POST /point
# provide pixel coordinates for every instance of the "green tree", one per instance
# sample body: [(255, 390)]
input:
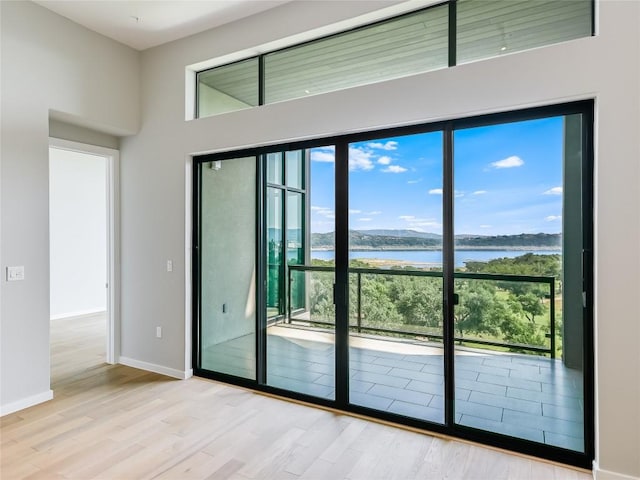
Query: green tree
[(475, 311), (531, 305), (418, 300)]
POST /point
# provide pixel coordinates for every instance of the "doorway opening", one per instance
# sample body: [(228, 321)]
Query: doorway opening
[(83, 254)]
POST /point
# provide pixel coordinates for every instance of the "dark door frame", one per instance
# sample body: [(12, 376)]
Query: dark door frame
[(585, 108)]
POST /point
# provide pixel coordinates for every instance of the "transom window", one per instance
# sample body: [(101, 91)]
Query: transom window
[(440, 36)]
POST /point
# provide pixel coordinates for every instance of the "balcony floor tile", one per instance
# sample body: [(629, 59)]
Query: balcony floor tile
[(529, 397)]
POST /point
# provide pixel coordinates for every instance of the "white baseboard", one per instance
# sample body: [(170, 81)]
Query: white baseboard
[(599, 474), (26, 403), (78, 313), (152, 367)]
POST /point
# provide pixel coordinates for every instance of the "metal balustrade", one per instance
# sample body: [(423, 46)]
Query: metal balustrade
[(359, 327)]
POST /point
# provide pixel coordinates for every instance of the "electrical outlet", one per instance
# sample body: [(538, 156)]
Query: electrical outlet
[(169, 266), (158, 332)]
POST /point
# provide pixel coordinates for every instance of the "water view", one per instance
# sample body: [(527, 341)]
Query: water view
[(429, 258)]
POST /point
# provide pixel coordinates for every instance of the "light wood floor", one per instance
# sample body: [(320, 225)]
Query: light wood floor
[(116, 422)]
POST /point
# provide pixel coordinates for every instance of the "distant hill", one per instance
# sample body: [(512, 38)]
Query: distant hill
[(412, 240), (367, 239), (402, 233), (550, 240)]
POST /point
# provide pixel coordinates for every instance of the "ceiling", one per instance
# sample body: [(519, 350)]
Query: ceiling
[(148, 23)]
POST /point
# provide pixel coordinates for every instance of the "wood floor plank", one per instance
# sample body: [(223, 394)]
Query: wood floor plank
[(119, 423)]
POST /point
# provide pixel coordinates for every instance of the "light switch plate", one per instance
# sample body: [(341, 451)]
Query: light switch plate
[(15, 273)]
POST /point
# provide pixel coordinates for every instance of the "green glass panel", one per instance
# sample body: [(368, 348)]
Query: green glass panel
[(396, 48), (228, 88), (274, 168), (489, 28), (274, 251), (295, 168)]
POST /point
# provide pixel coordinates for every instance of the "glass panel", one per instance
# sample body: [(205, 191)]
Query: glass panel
[(295, 168), (295, 243), (512, 373), (489, 28), (228, 88), (274, 252), (295, 234), (399, 47), (274, 168), (228, 267), (395, 299), (300, 347)]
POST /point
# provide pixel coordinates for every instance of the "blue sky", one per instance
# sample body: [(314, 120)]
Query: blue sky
[(508, 180)]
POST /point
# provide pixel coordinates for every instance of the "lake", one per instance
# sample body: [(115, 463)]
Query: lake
[(421, 257)]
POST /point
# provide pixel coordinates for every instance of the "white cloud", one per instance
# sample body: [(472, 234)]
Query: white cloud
[(411, 182), (435, 191), (375, 212), (354, 211), (394, 169), (323, 154), (416, 223), (390, 145), (458, 194), (323, 211), (479, 192), (359, 159), (553, 218), (509, 162), (554, 191), (485, 226), (384, 160), (365, 219), (431, 224)]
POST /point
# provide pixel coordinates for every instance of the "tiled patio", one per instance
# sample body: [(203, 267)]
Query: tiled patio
[(524, 396)]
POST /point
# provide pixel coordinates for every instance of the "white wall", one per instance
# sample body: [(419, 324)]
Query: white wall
[(75, 133), (605, 67), (48, 64), (77, 233)]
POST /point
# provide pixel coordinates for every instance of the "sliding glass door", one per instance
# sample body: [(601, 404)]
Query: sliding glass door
[(300, 330), (436, 275), (395, 276), (518, 248), (226, 271)]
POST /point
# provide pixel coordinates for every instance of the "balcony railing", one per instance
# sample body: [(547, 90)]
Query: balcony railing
[(296, 307)]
